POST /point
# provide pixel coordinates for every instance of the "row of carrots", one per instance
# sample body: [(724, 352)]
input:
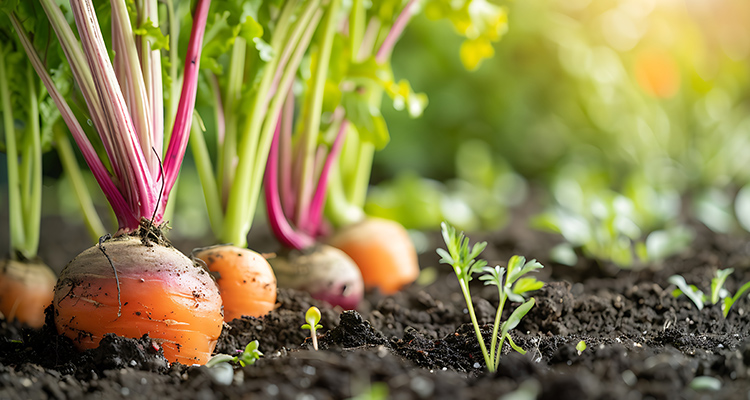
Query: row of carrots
[(136, 282)]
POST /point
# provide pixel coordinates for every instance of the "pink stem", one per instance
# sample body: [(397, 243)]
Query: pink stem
[(398, 27), (124, 215), (280, 226), (181, 129), (135, 183), (315, 212)]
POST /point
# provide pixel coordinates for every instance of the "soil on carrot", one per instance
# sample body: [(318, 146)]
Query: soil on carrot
[(418, 344)]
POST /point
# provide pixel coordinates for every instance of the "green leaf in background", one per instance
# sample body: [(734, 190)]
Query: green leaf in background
[(153, 34), (717, 284), (692, 292), (480, 21)]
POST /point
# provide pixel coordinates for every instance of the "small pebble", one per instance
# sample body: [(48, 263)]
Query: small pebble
[(629, 377), (308, 369), (272, 390)]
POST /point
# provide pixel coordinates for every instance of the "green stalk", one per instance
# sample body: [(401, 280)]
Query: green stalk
[(206, 175), (498, 316), (465, 289), (357, 189), (275, 108), (15, 215), (357, 20), (32, 196), (312, 125), (339, 210), (73, 172), (228, 149), (237, 218)]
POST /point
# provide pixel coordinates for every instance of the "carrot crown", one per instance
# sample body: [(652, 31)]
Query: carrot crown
[(125, 102)]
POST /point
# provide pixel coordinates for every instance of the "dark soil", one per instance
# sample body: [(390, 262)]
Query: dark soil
[(418, 344)]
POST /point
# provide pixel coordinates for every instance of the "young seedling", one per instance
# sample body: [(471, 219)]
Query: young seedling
[(717, 291), (581, 347), (464, 263), (249, 356), (312, 317)]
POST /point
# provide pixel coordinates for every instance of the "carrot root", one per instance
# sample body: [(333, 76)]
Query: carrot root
[(383, 251), (161, 292), (25, 291), (246, 280)]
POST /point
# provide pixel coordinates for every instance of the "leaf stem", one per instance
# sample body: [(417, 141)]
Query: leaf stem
[(227, 154), (496, 351), (467, 297), (398, 27), (73, 172), (15, 206), (314, 108), (32, 198), (239, 214), (207, 177), (181, 128)]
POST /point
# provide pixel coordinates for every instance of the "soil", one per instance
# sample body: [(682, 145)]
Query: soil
[(419, 343)]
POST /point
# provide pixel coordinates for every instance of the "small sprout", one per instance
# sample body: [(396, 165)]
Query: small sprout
[(249, 356), (511, 285), (312, 317), (580, 347), (718, 293)]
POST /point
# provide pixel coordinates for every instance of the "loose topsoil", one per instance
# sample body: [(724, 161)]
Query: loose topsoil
[(419, 344)]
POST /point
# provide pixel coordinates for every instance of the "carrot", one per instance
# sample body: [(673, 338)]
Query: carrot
[(135, 283), (246, 280), (25, 291), (383, 251), (157, 290)]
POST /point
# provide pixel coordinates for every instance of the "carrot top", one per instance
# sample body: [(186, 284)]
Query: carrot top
[(125, 101)]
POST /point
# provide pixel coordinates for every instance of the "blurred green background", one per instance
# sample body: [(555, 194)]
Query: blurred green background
[(630, 116)]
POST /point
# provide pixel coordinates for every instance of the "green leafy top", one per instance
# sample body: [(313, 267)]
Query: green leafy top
[(517, 268), (459, 256), (249, 356)]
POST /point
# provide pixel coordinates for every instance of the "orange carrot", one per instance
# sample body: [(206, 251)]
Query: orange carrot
[(383, 251), (25, 291), (157, 291), (246, 280)]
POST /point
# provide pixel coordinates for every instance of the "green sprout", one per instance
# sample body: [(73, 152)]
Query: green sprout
[(312, 316), (580, 347), (249, 356), (718, 293), (509, 281)]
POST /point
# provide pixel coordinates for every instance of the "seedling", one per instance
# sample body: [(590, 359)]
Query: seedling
[(580, 347), (312, 316), (717, 291), (249, 356), (464, 263)]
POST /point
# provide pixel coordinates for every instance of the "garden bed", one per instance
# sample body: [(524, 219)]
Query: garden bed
[(641, 341)]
